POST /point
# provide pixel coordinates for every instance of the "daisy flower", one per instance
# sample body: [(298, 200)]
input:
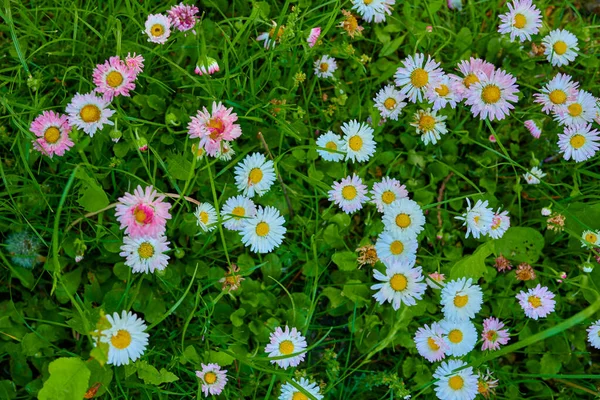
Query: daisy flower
[(486, 384), (289, 344), (461, 299), (594, 334), (416, 74), (183, 16), (52, 130), (158, 28), (461, 336), (500, 224), (522, 20), (471, 71), (254, 175), (212, 127), (443, 92), (89, 113), (213, 379), (435, 280), (206, 217), (144, 213), (560, 47), (430, 342), (271, 38), (145, 253), (389, 102), (373, 10), (400, 284), (590, 239), (359, 144), (236, 210), (387, 192), (578, 111), (534, 176), (264, 231), (226, 152), (429, 125), (532, 127), (325, 67), (396, 247), (113, 78), (478, 219), (350, 194), (537, 302), (331, 147), (126, 338), (289, 392), (208, 67), (455, 5), (455, 382), (313, 36), (555, 94), (490, 97), (579, 142), (493, 335), (135, 63), (350, 24), (404, 215)]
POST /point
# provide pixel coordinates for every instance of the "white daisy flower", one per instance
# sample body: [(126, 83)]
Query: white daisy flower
[(534, 176), (350, 194), (226, 152), (206, 217), (401, 284), (521, 21), (289, 392), (373, 10), (236, 210), (443, 92), (404, 215), (254, 175), (537, 302), (579, 142), (546, 211), (461, 336), (455, 382), (389, 102), (416, 74), (590, 239), (387, 192), (461, 299), (478, 219), (471, 70), (359, 144), (263, 232), (89, 113), (430, 342), (213, 379), (594, 334), (561, 47), (500, 224), (556, 93), (288, 344), (578, 111), (158, 28), (396, 247), (492, 96), (429, 125), (126, 338), (145, 253), (331, 147), (325, 67)]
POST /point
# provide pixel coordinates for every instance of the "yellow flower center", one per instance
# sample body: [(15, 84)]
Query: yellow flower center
[(355, 143), (388, 197), (146, 250), (262, 229), (591, 237), (157, 30), (575, 109), (204, 217), (114, 79), (560, 47), (470, 79), (349, 192), (419, 78), (331, 146), (367, 2), (455, 336), (90, 113), (402, 220), (238, 212), (52, 135), (558, 96), (461, 301), (398, 282), (432, 344), (140, 215), (286, 347), (255, 175), (534, 301), (324, 67), (476, 219), (577, 141), (456, 382), (520, 21), (442, 90), (426, 123), (490, 94), (389, 103), (210, 378), (397, 247), (121, 340), (216, 127), (298, 395)]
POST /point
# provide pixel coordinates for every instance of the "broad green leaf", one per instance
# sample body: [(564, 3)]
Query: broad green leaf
[(220, 358), (345, 260), (68, 380), (178, 166), (520, 244), (550, 364), (92, 197), (151, 376), (473, 266), (7, 390)]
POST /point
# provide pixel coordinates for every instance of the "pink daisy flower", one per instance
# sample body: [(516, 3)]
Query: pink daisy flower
[(213, 379), (532, 127), (500, 224), (113, 78), (350, 194), (435, 280), (135, 63), (471, 71), (144, 213), (556, 93), (430, 342), (214, 127), (314, 36), (490, 97), (493, 335), (208, 67), (52, 130), (183, 16), (537, 302)]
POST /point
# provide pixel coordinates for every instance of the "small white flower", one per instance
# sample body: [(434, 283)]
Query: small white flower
[(431, 343), (580, 110), (126, 338), (206, 217), (556, 93), (561, 47), (521, 21), (213, 379), (389, 102), (400, 284), (404, 215), (332, 147), (396, 247), (325, 67), (461, 299), (478, 219), (590, 239), (429, 125), (350, 194), (145, 253), (387, 192), (546, 211), (158, 28), (455, 382), (579, 142), (359, 144), (500, 224), (594, 334), (443, 92), (415, 74), (265, 231), (461, 337), (89, 113), (373, 10), (254, 175), (288, 343), (534, 176), (289, 392), (236, 210)]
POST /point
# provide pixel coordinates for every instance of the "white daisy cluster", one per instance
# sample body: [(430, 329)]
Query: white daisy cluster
[(482, 220), (357, 144)]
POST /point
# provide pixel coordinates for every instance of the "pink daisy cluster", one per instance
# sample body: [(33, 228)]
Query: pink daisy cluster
[(215, 129), (52, 131), (183, 16), (115, 77)]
